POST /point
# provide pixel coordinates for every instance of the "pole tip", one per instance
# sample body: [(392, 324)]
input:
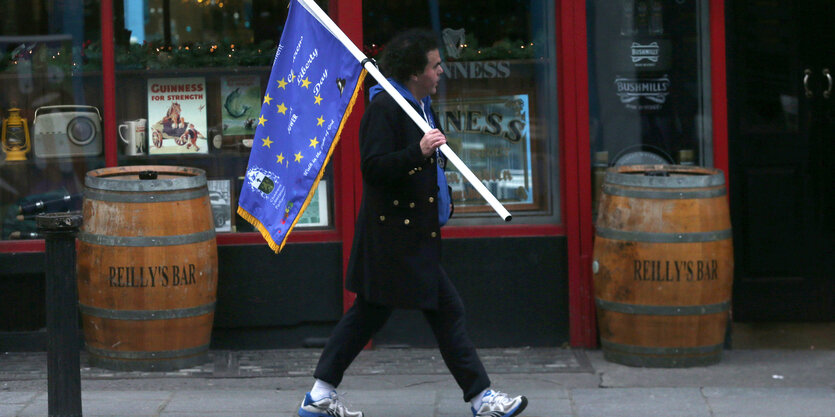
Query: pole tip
[(508, 218)]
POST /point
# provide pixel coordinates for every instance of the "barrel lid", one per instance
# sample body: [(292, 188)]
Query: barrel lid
[(144, 178), (665, 176)]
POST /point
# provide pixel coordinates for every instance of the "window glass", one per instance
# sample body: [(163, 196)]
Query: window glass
[(51, 106), (191, 76), (496, 101), (649, 83)]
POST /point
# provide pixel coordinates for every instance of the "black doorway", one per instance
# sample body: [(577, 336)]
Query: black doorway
[(781, 60)]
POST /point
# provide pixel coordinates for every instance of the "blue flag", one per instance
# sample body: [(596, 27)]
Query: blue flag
[(313, 85)]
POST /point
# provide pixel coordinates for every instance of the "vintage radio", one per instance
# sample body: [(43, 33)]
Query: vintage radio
[(66, 130)]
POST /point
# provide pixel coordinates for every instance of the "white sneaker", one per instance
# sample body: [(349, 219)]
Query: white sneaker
[(498, 404), (330, 406)]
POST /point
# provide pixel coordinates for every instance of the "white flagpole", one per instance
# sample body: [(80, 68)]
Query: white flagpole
[(324, 19)]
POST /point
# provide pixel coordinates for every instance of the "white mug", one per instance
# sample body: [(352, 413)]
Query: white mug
[(134, 136)]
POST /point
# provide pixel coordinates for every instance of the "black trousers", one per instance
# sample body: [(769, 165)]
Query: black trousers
[(364, 319)]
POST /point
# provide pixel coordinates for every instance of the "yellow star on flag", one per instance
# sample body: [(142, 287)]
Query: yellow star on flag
[(280, 158), (282, 109), (313, 142), (318, 100), (320, 120), (299, 157), (267, 142), (267, 98), (282, 84), (261, 120), (305, 83)]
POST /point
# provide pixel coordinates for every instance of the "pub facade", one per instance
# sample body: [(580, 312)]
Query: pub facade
[(538, 98)]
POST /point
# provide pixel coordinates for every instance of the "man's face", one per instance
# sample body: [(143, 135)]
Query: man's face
[(426, 83)]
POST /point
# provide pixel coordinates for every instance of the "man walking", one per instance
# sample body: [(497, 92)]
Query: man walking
[(396, 255)]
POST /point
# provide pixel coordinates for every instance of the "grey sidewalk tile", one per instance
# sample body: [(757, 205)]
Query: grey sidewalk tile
[(230, 414), (107, 404), (11, 402), (399, 402), (639, 402), (399, 410), (783, 402), (10, 410), (16, 397), (229, 401)]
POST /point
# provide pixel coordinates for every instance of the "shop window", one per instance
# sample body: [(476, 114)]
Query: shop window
[(496, 101), (649, 84), (51, 105), (191, 76)]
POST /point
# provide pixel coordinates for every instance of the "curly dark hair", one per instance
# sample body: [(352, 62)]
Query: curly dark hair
[(405, 54)]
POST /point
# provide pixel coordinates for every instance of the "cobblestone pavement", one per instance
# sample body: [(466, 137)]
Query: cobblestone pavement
[(302, 362)]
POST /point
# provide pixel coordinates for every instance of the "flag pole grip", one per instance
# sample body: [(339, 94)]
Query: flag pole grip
[(369, 66)]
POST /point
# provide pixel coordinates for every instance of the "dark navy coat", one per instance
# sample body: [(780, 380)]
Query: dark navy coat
[(396, 254)]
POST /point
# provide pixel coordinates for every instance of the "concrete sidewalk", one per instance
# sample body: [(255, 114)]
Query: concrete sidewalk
[(413, 382)]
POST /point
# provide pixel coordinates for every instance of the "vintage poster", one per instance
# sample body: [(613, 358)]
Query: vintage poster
[(492, 137), (177, 116), (240, 97)]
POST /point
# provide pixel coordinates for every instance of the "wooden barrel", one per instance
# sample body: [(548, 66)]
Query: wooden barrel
[(663, 265), (147, 267)]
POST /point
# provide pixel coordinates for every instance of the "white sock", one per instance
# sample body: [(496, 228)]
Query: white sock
[(478, 399), (321, 389)]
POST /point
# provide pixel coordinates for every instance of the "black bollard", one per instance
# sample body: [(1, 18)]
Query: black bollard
[(63, 363)]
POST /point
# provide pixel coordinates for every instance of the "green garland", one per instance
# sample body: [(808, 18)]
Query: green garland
[(199, 55), (88, 56), (500, 50)]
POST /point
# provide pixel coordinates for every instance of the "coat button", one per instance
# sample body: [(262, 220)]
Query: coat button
[(432, 160), (412, 204), (382, 218), (396, 203), (406, 221), (433, 234), (431, 199)]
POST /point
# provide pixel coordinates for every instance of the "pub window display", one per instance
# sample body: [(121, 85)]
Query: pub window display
[(51, 106)]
